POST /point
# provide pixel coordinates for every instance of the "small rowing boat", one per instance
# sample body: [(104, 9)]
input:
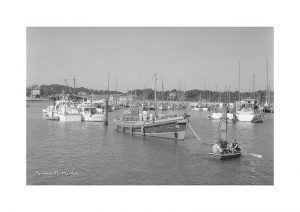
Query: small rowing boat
[(225, 155), (220, 150)]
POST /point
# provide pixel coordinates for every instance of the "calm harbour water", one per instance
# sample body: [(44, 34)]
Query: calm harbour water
[(99, 155)]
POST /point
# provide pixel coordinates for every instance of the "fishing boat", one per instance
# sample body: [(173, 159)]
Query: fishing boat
[(247, 110), (65, 111), (222, 143), (49, 113), (91, 114), (146, 123)]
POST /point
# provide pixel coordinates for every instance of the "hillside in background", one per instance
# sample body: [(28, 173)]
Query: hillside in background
[(47, 91)]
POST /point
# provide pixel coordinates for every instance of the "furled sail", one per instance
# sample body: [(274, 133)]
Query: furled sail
[(223, 124)]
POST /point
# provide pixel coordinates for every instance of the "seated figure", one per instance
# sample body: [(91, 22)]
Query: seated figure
[(234, 147), (224, 145), (217, 148)]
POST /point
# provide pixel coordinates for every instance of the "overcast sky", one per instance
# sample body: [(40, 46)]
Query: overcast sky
[(184, 58)]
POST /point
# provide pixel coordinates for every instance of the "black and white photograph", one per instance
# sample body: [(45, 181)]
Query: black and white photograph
[(149, 106)]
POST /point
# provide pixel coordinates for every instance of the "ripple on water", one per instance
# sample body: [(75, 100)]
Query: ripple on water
[(105, 156)]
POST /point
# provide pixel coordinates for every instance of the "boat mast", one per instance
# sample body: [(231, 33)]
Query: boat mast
[(223, 123), (208, 91), (217, 94), (239, 81), (267, 91), (155, 79), (162, 88), (116, 84), (106, 103), (74, 85), (225, 89), (228, 93), (108, 83), (204, 91), (200, 98), (254, 86)]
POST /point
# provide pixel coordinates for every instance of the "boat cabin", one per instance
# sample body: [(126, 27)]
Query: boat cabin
[(247, 104), (88, 110)]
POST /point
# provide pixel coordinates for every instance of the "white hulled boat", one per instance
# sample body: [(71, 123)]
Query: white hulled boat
[(247, 110), (91, 114), (49, 113), (65, 111)]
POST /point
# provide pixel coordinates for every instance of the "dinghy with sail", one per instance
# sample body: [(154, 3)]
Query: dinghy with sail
[(221, 150)]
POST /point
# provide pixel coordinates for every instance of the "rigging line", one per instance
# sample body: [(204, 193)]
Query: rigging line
[(196, 136)]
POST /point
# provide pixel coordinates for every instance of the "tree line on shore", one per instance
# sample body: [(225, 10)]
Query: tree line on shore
[(47, 91)]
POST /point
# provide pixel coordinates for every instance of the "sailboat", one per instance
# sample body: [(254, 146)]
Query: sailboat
[(162, 106), (146, 124), (247, 110), (268, 108), (222, 141)]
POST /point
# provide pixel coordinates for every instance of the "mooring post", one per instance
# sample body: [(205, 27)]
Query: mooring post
[(106, 112)]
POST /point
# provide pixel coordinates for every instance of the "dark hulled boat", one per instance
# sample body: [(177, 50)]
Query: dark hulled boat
[(173, 127), (148, 124), (225, 156)]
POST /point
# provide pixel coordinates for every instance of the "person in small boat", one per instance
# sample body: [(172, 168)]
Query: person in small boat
[(234, 147), (216, 149), (220, 147), (224, 145)]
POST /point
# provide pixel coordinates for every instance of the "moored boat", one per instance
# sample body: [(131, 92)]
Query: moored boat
[(90, 114), (225, 155), (49, 113), (65, 111), (149, 124), (247, 111), (220, 150), (163, 126)]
